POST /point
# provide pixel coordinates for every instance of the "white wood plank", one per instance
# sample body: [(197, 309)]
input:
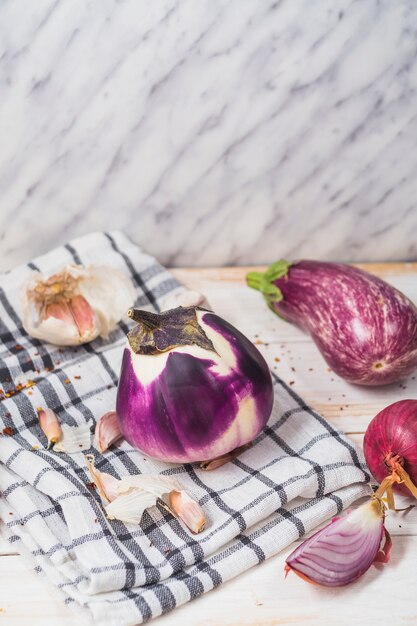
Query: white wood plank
[(263, 597), (349, 407), (26, 598)]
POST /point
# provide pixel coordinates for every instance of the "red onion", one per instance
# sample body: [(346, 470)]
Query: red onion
[(343, 550), (390, 447)]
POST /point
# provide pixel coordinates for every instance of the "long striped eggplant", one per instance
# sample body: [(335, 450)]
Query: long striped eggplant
[(365, 329)]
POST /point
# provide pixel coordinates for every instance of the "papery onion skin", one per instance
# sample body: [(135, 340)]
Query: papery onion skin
[(202, 403), (342, 551), (393, 431), (365, 329)]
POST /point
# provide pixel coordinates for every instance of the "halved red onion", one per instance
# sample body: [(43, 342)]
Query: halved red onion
[(343, 550)]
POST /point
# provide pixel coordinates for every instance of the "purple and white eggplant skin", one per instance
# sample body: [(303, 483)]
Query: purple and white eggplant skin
[(365, 329), (181, 402)]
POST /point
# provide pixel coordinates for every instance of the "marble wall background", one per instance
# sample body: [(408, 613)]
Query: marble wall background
[(211, 131)]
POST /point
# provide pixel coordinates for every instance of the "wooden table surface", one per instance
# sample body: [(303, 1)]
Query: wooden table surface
[(261, 596)]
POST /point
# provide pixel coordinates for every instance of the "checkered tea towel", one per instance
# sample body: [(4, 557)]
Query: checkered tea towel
[(299, 472)]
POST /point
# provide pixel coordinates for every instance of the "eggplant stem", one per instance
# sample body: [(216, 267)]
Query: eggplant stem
[(224, 458), (265, 281)]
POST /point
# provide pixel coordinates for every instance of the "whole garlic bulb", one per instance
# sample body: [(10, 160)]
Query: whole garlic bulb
[(76, 305)]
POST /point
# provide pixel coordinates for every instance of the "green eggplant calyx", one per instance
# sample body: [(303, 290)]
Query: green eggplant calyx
[(264, 281)]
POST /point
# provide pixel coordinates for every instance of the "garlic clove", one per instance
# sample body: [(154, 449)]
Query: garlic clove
[(52, 329), (76, 314), (107, 431), (107, 485), (74, 439), (59, 311), (83, 315), (188, 510), (110, 486), (50, 425)]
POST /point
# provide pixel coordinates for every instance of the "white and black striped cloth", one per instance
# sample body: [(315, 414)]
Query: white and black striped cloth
[(300, 471)]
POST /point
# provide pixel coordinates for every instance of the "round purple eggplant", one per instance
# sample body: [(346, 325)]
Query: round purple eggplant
[(192, 387), (365, 329)]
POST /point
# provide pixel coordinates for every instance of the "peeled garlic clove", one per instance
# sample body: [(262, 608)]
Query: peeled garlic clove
[(188, 510), (76, 305), (184, 297), (74, 439), (107, 431), (50, 425)]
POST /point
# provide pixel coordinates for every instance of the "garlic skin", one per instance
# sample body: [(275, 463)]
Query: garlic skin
[(130, 506), (128, 498), (76, 305), (73, 439)]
